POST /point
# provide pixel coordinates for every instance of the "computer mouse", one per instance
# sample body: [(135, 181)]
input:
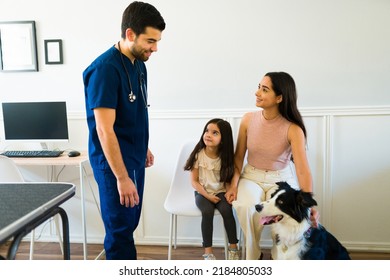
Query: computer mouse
[(73, 153)]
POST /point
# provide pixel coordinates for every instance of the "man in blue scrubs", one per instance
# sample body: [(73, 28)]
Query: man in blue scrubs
[(115, 87)]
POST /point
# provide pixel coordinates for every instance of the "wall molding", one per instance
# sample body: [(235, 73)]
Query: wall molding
[(238, 113)]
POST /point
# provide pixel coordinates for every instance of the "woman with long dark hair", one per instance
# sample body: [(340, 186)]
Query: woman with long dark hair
[(274, 139)]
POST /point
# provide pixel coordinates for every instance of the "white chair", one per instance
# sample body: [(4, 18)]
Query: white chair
[(180, 200), (10, 173)]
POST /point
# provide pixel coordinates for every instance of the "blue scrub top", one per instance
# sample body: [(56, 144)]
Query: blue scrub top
[(106, 85)]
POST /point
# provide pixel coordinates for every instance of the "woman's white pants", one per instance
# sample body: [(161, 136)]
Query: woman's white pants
[(257, 185)]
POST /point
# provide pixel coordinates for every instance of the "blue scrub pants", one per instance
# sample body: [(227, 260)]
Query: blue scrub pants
[(119, 221)]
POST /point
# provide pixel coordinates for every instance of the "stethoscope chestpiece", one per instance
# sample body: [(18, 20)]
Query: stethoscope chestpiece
[(132, 97)]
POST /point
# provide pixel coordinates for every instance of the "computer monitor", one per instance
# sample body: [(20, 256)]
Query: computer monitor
[(35, 121)]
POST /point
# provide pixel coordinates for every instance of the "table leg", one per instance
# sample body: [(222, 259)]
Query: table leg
[(65, 231), (14, 246), (83, 220)]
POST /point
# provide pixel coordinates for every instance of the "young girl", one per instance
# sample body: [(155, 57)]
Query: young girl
[(212, 168)]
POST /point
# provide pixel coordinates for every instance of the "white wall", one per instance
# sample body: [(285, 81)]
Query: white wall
[(214, 53), (210, 60)]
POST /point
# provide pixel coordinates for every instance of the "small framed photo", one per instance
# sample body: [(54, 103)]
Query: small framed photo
[(18, 46), (53, 52)]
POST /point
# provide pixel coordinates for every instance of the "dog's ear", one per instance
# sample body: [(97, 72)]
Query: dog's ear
[(306, 199), (283, 185)]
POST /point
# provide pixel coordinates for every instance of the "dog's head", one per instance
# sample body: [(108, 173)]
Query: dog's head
[(285, 202)]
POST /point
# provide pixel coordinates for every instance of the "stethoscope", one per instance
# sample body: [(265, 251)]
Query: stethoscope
[(144, 92)]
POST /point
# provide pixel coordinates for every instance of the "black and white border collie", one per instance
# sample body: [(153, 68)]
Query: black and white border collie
[(288, 211)]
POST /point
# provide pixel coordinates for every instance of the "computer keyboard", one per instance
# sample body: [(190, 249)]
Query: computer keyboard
[(41, 153)]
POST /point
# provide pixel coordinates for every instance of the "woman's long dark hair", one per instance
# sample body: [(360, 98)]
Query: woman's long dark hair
[(225, 150), (283, 84)]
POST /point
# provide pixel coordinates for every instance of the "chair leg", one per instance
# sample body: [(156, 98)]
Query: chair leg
[(242, 244), (226, 244), (32, 244), (170, 236), (226, 240), (175, 230)]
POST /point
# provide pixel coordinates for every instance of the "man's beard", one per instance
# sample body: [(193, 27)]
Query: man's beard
[(139, 54)]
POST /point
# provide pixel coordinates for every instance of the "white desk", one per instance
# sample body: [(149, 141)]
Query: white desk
[(62, 160)]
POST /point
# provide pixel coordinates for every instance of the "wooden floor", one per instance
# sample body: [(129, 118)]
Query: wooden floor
[(51, 251)]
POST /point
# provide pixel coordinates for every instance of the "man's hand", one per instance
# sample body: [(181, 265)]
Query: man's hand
[(149, 159), (128, 194)]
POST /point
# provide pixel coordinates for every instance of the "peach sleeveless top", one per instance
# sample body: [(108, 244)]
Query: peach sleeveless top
[(267, 142)]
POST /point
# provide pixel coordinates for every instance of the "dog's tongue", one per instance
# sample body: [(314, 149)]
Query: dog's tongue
[(270, 219), (266, 220)]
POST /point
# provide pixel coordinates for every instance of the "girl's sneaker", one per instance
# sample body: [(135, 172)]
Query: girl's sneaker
[(209, 257), (233, 254)]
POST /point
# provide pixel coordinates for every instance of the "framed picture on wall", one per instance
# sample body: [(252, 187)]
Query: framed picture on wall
[(53, 52), (18, 46)]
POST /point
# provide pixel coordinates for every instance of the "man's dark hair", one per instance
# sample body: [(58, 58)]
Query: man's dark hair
[(138, 16)]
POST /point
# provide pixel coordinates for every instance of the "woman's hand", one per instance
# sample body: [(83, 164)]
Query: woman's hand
[(314, 217), (231, 195)]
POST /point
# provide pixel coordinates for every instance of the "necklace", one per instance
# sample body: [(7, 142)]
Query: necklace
[(132, 96), (270, 118)]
